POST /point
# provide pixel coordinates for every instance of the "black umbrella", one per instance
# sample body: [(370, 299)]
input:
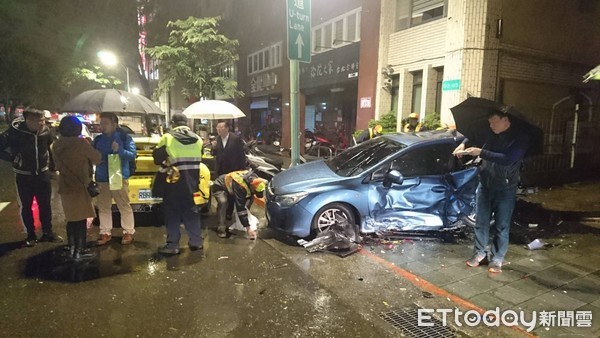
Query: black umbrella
[(111, 100), (471, 118)]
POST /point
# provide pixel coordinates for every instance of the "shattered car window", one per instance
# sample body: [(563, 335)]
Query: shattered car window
[(431, 160), (364, 156)]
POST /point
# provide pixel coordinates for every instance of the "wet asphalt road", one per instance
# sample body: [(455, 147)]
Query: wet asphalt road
[(270, 287), (235, 288)]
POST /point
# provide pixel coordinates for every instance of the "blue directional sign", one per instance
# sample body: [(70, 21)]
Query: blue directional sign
[(298, 30)]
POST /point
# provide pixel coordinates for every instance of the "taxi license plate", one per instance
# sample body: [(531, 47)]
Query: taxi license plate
[(144, 194)]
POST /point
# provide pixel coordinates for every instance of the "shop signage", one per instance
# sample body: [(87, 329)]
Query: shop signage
[(262, 82), (333, 67), (365, 102)]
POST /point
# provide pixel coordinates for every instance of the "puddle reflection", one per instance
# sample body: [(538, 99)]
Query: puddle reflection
[(56, 265)]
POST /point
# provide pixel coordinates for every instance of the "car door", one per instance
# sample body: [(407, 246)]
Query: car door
[(419, 202)]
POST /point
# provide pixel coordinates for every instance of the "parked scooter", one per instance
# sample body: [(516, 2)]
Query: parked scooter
[(264, 165), (318, 145)]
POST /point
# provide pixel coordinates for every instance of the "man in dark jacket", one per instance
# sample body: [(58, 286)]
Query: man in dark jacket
[(26, 144), (182, 149), (229, 150), (502, 151)]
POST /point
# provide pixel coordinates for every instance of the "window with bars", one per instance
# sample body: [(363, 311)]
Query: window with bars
[(417, 92), (264, 59), (337, 32), (438, 89), (410, 13), (228, 72)]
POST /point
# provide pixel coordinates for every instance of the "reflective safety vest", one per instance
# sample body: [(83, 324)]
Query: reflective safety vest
[(202, 196), (182, 156), (238, 177), (371, 132), (417, 128)]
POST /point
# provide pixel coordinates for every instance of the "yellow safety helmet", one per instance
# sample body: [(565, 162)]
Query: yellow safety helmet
[(258, 185), (413, 116), (378, 129)]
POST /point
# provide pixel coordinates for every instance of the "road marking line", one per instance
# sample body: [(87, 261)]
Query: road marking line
[(3, 205), (429, 287)]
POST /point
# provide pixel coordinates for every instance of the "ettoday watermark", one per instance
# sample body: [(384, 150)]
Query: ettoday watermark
[(507, 318)]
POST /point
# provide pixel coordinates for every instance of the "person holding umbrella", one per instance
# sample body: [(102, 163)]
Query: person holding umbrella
[(228, 149), (114, 140), (502, 149)]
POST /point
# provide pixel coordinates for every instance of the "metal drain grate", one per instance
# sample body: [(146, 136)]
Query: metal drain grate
[(406, 320)]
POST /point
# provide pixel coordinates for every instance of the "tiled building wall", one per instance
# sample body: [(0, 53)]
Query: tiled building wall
[(386, 28), (417, 49)]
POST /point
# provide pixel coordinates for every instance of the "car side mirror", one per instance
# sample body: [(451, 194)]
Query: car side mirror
[(392, 176)]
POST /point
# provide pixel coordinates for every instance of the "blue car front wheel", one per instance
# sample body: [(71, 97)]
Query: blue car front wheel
[(326, 216)]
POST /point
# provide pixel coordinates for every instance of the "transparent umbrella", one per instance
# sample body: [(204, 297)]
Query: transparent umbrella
[(110, 100)]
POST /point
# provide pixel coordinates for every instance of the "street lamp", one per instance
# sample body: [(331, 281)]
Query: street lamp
[(110, 59)]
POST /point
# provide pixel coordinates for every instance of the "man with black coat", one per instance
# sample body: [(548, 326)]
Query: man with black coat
[(26, 144), (229, 150), (230, 156), (502, 149)]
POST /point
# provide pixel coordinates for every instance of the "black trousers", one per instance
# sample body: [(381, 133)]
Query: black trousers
[(40, 187), (175, 215)]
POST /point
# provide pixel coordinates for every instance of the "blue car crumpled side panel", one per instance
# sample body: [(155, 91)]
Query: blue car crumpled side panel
[(426, 203)]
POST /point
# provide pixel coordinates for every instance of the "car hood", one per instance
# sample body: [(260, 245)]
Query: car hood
[(303, 177)]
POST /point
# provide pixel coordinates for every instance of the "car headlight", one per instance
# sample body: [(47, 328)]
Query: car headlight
[(290, 199)]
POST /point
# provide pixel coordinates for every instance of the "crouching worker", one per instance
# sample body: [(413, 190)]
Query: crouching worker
[(242, 186)]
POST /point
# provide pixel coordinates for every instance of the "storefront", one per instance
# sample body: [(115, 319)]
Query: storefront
[(330, 83)]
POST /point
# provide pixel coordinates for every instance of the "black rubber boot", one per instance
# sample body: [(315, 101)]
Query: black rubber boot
[(81, 250), (71, 236)]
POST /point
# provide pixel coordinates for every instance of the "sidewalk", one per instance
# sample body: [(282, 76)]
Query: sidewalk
[(579, 201), (563, 278)]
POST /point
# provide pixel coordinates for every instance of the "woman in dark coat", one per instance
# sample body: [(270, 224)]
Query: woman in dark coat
[(73, 155)]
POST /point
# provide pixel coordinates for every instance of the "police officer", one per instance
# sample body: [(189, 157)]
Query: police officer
[(242, 185), (413, 125), (182, 149), (369, 133)]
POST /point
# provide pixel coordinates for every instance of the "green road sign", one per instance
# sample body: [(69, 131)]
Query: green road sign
[(451, 85), (298, 30)]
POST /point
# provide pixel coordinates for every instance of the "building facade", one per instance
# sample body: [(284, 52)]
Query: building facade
[(531, 55), (370, 57)]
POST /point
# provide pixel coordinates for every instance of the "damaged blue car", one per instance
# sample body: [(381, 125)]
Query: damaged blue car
[(395, 182)]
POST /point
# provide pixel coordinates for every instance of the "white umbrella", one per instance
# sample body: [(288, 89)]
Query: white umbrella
[(213, 110)]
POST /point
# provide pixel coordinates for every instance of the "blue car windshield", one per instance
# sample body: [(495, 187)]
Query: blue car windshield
[(356, 160)]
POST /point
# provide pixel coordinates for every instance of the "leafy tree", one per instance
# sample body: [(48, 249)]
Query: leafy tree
[(88, 76), (387, 121), (193, 58), (47, 44), (432, 121)]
